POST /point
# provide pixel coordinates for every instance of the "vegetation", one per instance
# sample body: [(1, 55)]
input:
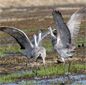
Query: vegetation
[(30, 27), (4, 50), (43, 72)]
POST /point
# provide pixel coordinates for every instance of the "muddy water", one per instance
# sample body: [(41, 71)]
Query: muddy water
[(79, 79)]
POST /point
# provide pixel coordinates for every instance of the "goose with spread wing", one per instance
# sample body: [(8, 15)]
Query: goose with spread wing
[(29, 48), (64, 41)]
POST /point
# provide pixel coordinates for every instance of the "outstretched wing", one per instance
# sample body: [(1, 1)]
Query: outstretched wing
[(62, 29), (42, 35), (39, 38), (19, 35), (35, 40), (47, 33), (74, 23)]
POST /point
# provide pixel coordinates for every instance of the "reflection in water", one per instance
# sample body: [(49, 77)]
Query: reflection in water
[(62, 80)]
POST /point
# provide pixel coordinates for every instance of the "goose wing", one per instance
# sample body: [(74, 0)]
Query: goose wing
[(74, 23), (47, 33), (19, 35), (62, 29), (42, 36)]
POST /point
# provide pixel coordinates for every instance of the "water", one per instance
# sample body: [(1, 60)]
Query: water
[(79, 79)]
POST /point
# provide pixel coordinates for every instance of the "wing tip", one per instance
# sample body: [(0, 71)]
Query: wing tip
[(82, 10), (56, 12), (3, 28)]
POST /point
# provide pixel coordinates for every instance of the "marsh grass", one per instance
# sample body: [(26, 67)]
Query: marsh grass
[(42, 72), (4, 50)]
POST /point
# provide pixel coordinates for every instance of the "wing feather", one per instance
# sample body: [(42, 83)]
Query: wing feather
[(62, 30), (19, 35), (74, 23), (42, 36)]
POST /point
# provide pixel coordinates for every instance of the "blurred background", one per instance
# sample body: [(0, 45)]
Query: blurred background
[(22, 3)]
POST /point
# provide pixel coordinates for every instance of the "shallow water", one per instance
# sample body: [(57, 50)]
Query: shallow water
[(79, 79)]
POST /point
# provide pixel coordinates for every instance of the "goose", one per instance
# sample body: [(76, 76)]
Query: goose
[(30, 48), (64, 42)]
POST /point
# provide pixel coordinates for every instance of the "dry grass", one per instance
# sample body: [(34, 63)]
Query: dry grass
[(19, 3)]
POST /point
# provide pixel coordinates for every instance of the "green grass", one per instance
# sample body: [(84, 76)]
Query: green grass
[(47, 44), (14, 76), (42, 72), (9, 49), (78, 67)]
